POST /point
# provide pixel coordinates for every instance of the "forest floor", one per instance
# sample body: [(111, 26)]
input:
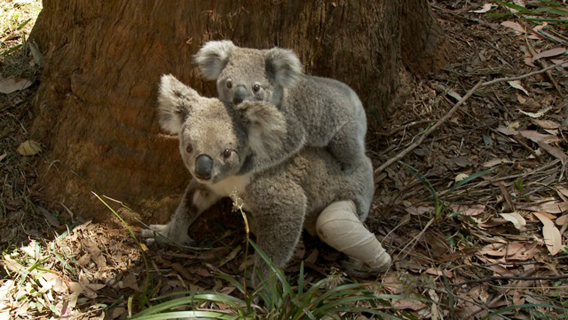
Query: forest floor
[(491, 246)]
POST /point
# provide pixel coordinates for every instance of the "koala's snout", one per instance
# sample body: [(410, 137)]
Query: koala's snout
[(203, 167), (240, 94)]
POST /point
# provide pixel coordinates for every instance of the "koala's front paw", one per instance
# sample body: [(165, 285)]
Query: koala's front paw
[(165, 234)]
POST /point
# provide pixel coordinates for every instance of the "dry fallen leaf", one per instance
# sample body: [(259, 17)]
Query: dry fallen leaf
[(551, 234), (562, 220), (495, 162), (516, 219), (539, 137), (486, 7), (554, 151), (460, 177), (549, 53), (552, 207), (547, 124), (473, 210), (11, 85), (513, 25), (29, 148), (517, 85), (539, 114)]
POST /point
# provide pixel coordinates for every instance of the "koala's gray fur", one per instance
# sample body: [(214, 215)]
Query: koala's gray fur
[(319, 111), (281, 199)]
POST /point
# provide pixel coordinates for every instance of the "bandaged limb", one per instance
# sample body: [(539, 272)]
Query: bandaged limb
[(339, 227)]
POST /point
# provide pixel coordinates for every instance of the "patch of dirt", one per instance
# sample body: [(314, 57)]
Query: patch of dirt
[(472, 248)]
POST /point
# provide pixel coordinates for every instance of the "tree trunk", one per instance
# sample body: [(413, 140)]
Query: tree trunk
[(102, 61)]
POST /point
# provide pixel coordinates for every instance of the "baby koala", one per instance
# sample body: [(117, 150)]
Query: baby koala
[(319, 112), (215, 141)]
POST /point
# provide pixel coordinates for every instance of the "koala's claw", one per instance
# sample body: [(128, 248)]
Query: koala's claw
[(162, 234)]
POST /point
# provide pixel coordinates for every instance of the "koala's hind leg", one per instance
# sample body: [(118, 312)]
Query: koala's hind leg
[(196, 199), (348, 145), (278, 207)]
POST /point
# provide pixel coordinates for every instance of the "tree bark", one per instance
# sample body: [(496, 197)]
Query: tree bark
[(96, 111)]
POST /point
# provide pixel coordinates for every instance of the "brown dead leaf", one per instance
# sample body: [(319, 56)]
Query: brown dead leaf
[(50, 217), (539, 137), (182, 271), (11, 85), (29, 148), (496, 162), (551, 234), (493, 249), (546, 124), (230, 256), (538, 114), (561, 220), (417, 211), (562, 191), (516, 219), (517, 85), (473, 210), (549, 53), (486, 7), (554, 151), (129, 281), (514, 25), (553, 207), (439, 272)]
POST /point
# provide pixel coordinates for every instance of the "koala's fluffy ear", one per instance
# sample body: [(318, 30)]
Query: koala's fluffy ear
[(266, 126), (284, 65), (174, 102), (212, 58)]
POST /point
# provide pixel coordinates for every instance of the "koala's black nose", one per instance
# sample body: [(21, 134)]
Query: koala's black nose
[(240, 94), (203, 167)]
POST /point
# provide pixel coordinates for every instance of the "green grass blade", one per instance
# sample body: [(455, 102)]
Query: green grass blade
[(524, 306), (470, 178), (188, 315), (193, 297)]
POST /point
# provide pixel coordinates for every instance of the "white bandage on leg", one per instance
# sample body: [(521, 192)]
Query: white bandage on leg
[(339, 227)]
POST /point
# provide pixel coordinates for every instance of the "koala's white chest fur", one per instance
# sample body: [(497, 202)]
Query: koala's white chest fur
[(231, 185)]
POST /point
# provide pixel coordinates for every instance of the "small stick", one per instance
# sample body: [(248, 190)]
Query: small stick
[(494, 278), (452, 111), (434, 127)]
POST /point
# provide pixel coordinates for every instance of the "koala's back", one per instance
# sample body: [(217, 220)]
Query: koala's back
[(322, 181), (323, 103)]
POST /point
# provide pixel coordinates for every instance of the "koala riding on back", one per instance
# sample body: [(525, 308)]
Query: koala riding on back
[(303, 191), (319, 112)]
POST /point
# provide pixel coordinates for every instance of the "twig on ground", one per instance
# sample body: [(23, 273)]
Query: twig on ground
[(425, 134), (495, 278), (451, 113)]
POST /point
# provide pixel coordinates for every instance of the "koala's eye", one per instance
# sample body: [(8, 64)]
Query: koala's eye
[(256, 87), (229, 84), (189, 148), (227, 153)]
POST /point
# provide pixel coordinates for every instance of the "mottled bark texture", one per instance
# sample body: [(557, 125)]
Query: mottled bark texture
[(96, 111)]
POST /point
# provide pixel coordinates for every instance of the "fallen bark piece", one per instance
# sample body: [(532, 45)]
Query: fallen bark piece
[(339, 227)]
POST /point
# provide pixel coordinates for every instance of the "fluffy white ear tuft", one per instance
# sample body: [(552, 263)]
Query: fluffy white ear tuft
[(266, 127), (212, 58), (284, 65), (174, 103)]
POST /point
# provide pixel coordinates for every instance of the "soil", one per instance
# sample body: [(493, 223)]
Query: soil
[(472, 248)]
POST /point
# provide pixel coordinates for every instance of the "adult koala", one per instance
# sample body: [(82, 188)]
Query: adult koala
[(318, 111), (214, 142)]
